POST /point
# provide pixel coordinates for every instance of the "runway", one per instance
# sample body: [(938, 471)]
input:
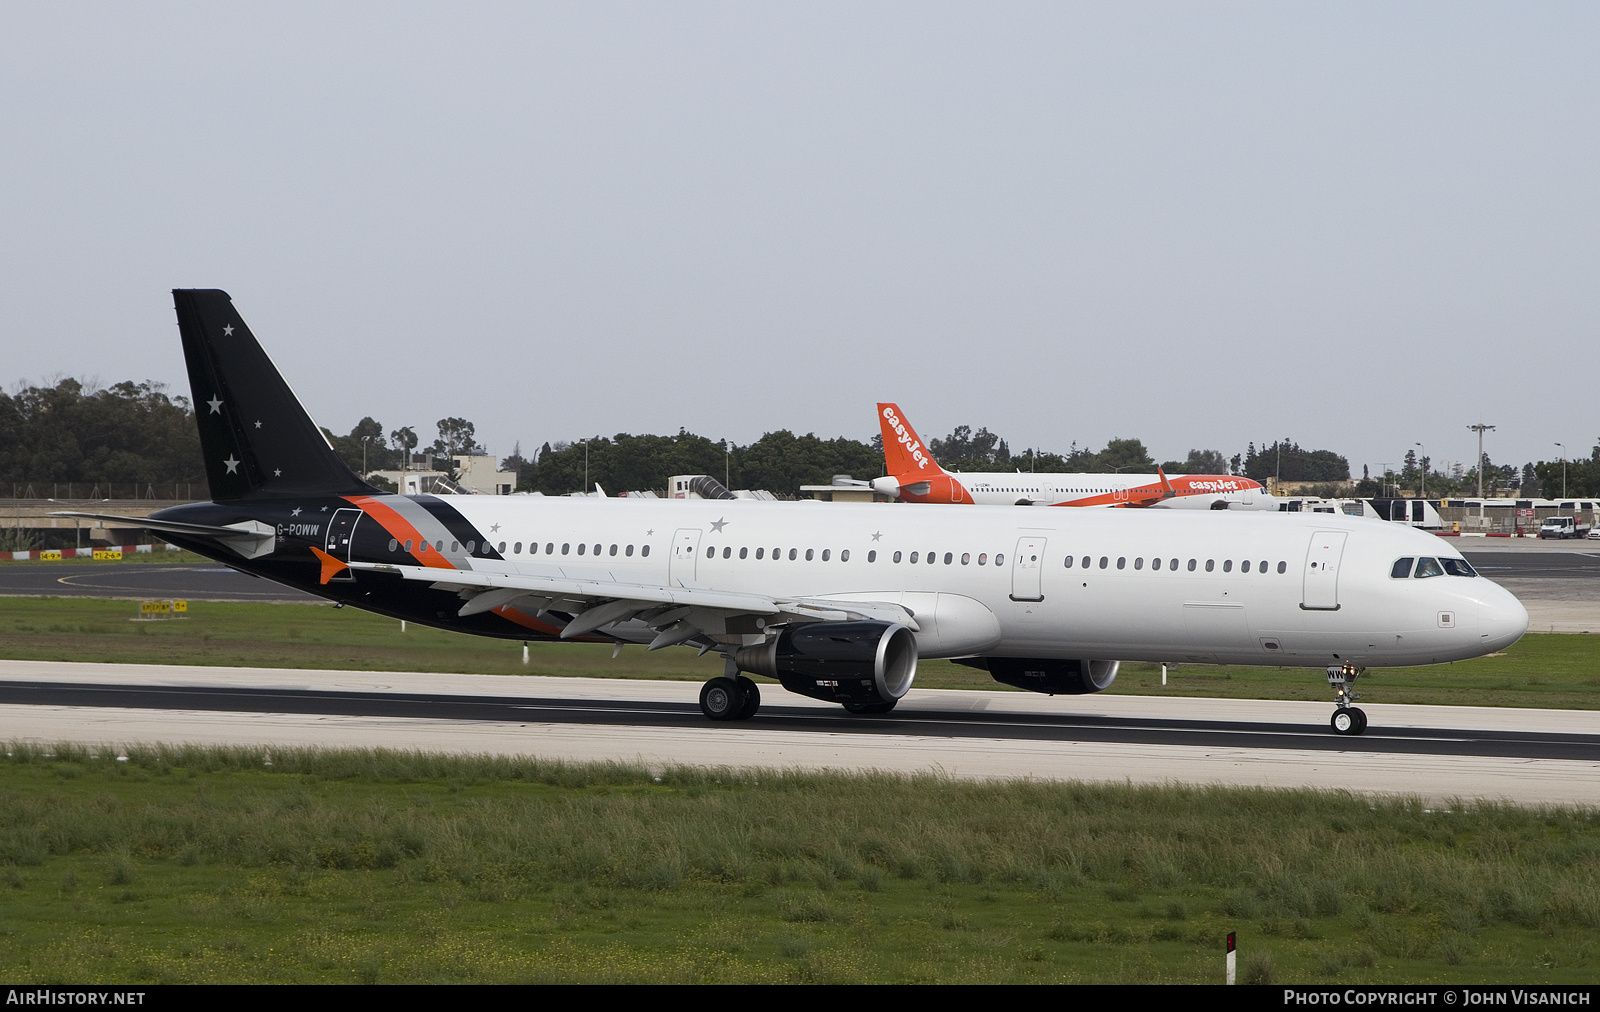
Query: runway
[(139, 581), (1432, 751)]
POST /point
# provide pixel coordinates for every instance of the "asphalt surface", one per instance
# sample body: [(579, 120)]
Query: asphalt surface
[(909, 719), (205, 581)]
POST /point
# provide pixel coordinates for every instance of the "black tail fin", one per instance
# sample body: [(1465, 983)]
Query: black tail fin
[(256, 437)]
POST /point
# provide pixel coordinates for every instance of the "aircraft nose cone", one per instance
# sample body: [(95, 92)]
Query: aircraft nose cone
[(1504, 619)]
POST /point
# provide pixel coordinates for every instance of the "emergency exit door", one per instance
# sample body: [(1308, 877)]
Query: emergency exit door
[(1027, 570)]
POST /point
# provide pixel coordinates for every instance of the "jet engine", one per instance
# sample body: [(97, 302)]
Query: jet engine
[(1054, 677), (853, 663)]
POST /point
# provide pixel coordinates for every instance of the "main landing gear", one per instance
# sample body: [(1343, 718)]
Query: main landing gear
[(730, 698), (1346, 719)]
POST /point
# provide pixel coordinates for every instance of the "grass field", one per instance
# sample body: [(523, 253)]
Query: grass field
[(1546, 670), (212, 865)]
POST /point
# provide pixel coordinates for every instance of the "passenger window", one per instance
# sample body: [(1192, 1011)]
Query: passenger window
[(613, 550), (761, 553), (1000, 558), (711, 553), (1283, 567), (914, 556), (393, 544), (1227, 565), (1263, 567), (809, 554), (1244, 567), (628, 551), (564, 546), (644, 551), (896, 556), (582, 548), (1085, 562), (844, 555), (550, 547), (1104, 562), (516, 549), (1068, 562), (408, 544), (825, 554), (1458, 567), (948, 558), (1122, 562), (1173, 565), (744, 553), (792, 554), (872, 556), (1211, 564), (597, 549), (455, 546), (727, 552), (1138, 563), (1193, 563), (472, 546), (1427, 568), (966, 558)]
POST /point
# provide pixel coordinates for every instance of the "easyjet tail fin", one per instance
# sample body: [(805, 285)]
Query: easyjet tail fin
[(255, 436), (904, 454)]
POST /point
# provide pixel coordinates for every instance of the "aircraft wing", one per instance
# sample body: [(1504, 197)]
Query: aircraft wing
[(678, 614)]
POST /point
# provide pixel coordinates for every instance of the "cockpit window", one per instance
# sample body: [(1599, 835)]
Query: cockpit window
[(1427, 568), (1402, 568), (1458, 567)]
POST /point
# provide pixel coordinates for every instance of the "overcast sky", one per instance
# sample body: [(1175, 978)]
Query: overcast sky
[(1359, 226)]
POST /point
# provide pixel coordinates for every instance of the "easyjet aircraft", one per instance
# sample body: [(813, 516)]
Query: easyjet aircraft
[(914, 476), (838, 602)]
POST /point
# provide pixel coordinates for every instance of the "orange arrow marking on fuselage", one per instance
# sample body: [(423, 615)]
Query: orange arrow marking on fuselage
[(331, 566)]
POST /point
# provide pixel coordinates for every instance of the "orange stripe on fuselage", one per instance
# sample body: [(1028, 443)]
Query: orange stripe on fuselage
[(401, 530), (511, 614)]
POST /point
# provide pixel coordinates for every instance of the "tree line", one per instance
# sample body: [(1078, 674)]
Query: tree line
[(139, 433)]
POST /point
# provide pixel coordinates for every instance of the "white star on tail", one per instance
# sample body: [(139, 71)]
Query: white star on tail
[(227, 331), (233, 465), (216, 404)]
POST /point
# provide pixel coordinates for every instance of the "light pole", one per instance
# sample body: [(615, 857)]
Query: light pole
[(1424, 463), (1480, 429), (1563, 471), (585, 443)]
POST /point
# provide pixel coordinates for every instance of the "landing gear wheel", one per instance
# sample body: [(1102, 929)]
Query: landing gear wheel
[(1348, 720), (752, 698), (722, 699), (864, 708)]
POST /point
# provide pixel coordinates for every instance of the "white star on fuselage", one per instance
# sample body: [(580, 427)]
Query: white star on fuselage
[(233, 465), (277, 473), (876, 535), (718, 525), (295, 512), (227, 331), (258, 423), (493, 528), (216, 404)]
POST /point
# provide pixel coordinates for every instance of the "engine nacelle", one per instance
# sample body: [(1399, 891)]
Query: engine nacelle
[(1057, 678), (840, 662)]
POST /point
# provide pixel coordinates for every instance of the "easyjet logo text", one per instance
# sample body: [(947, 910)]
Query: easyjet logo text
[(912, 446), (1215, 486)]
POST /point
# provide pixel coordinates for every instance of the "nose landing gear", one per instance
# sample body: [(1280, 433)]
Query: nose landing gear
[(1346, 719)]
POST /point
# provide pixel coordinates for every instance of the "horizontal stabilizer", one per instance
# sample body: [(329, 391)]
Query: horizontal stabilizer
[(250, 538)]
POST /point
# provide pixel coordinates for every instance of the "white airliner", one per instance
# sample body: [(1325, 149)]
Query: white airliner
[(914, 476), (837, 602)]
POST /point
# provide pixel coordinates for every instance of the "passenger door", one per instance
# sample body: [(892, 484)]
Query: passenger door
[(685, 555), (1027, 570), (1321, 588), (341, 533)]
